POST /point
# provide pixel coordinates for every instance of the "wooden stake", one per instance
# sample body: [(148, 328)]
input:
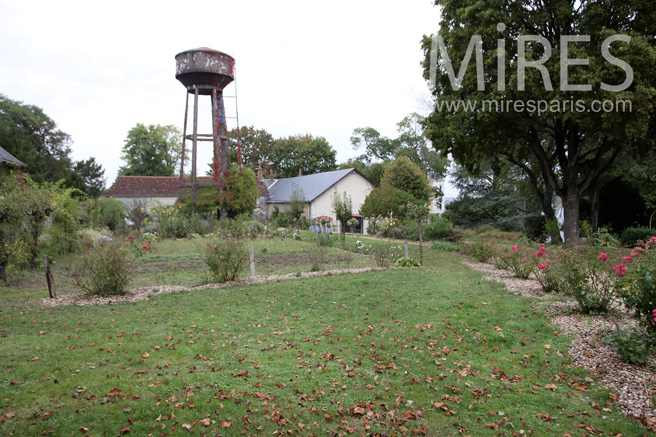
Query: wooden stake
[(251, 256), (406, 248), (51, 281)]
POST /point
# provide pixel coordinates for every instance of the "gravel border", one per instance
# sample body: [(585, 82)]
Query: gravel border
[(138, 294)]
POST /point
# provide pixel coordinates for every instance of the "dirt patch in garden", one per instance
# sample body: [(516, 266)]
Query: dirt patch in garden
[(635, 385)]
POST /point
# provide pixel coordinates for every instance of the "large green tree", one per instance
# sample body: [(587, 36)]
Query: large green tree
[(239, 197), (33, 137), (544, 126), (302, 152), (405, 175), (411, 143), (256, 145), (153, 150)]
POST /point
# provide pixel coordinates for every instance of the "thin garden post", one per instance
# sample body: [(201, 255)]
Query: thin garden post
[(251, 256), (49, 278)]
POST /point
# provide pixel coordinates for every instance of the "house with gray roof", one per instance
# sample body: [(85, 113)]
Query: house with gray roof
[(8, 160), (317, 191)]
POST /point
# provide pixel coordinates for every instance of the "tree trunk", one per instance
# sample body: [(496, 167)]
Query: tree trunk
[(594, 207), (3, 272), (571, 212)]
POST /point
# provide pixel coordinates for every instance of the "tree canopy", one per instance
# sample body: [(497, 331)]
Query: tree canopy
[(411, 143), (305, 152), (153, 150), (256, 146), (567, 145), (239, 197), (405, 175), (34, 138)]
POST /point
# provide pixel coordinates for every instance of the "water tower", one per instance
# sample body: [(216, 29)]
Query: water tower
[(205, 72)]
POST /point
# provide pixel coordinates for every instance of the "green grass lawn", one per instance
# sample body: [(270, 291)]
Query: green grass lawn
[(436, 350)]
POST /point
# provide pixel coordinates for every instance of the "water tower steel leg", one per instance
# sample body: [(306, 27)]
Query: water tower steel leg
[(215, 138), (184, 144), (194, 153)]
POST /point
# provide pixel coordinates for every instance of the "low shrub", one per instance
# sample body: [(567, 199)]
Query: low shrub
[(317, 257), (630, 237), (90, 238), (520, 260), (633, 347), (591, 278), (601, 238), (548, 271), (385, 256), (535, 227), (407, 262), (105, 270), (253, 228), (225, 259), (638, 286), (502, 235), (438, 228), (444, 245), (482, 250)]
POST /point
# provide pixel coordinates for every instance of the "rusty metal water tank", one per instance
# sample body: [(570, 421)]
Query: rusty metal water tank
[(205, 69)]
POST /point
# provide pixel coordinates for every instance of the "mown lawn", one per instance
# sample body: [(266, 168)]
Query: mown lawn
[(434, 351)]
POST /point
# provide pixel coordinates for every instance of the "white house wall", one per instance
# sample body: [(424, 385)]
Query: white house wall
[(353, 184), (132, 201)]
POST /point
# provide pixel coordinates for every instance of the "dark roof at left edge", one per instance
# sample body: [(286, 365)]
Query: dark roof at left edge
[(8, 157)]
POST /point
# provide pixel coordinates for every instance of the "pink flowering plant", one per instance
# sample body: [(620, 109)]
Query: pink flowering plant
[(591, 277), (637, 285), (547, 271), (520, 260)]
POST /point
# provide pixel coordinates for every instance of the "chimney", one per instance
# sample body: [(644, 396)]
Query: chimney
[(300, 172), (260, 176), (271, 175)]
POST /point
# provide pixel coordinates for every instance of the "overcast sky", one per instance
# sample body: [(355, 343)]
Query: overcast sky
[(323, 68)]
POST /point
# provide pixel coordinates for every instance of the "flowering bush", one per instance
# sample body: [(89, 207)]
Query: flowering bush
[(520, 261), (324, 220), (225, 260), (638, 283), (352, 223), (548, 270), (590, 278)]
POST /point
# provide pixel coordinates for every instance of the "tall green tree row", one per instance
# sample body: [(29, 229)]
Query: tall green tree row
[(34, 138), (567, 148)]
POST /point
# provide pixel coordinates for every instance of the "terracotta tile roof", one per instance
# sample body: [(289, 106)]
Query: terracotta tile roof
[(144, 186)]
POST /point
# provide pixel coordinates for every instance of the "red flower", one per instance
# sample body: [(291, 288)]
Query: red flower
[(541, 266), (145, 247), (603, 256), (627, 259), (620, 270), (148, 241), (514, 248)]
